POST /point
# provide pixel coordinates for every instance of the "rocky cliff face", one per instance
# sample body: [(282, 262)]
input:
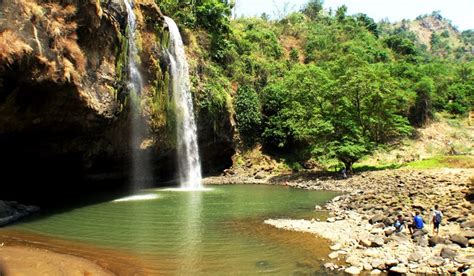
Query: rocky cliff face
[(63, 94)]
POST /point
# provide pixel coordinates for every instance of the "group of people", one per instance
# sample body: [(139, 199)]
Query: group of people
[(418, 222)]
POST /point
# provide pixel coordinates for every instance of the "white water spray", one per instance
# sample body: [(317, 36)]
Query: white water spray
[(140, 161), (187, 141)]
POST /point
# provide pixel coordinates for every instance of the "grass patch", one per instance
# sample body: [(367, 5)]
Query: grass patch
[(459, 161), (365, 168), (437, 162)]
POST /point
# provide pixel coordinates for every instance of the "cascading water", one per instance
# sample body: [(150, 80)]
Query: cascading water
[(140, 161), (187, 142)]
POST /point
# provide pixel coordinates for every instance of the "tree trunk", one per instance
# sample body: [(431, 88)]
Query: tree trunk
[(348, 165)]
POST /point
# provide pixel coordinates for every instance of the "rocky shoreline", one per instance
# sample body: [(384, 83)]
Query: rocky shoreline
[(11, 211), (360, 221)]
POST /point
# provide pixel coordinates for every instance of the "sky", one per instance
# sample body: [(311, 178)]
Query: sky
[(460, 12)]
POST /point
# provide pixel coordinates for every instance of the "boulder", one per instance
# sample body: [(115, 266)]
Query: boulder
[(375, 272), (377, 231), (367, 267), (433, 241), (330, 266), (419, 232), (467, 259), (377, 242), (458, 239), (469, 234), (399, 269), (388, 222), (378, 264), (353, 261), (421, 241), (333, 255), (468, 224), (447, 253), (391, 262), (365, 242), (336, 247), (436, 261), (415, 257), (376, 218), (388, 231), (353, 270)]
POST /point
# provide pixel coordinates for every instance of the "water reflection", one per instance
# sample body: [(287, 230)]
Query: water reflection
[(189, 233), (192, 234)]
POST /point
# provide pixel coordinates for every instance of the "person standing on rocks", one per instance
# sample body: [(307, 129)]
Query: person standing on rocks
[(436, 219), (417, 223)]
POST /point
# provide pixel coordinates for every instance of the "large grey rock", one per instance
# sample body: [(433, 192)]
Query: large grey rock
[(458, 239)]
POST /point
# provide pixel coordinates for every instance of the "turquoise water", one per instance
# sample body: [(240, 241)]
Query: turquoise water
[(219, 231)]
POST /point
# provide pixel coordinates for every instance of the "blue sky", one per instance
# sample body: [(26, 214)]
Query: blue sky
[(460, 12)]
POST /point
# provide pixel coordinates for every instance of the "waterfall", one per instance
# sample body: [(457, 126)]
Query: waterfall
[(138, 130), (186, 131)]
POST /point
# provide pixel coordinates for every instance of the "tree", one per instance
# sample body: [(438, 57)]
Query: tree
[(248, 114), (312, 8), (421, 112), (368, 23), (341, 13)]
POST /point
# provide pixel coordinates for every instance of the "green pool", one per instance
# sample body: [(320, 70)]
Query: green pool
[(218, 231)]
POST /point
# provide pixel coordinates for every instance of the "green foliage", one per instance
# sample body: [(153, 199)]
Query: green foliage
[(401, 45), (341, 13), (312, 8), (368, 23), (421, 112), (248, 114), (362, 84)]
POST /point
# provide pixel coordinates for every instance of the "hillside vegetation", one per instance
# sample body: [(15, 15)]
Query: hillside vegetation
[(325, 86)]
